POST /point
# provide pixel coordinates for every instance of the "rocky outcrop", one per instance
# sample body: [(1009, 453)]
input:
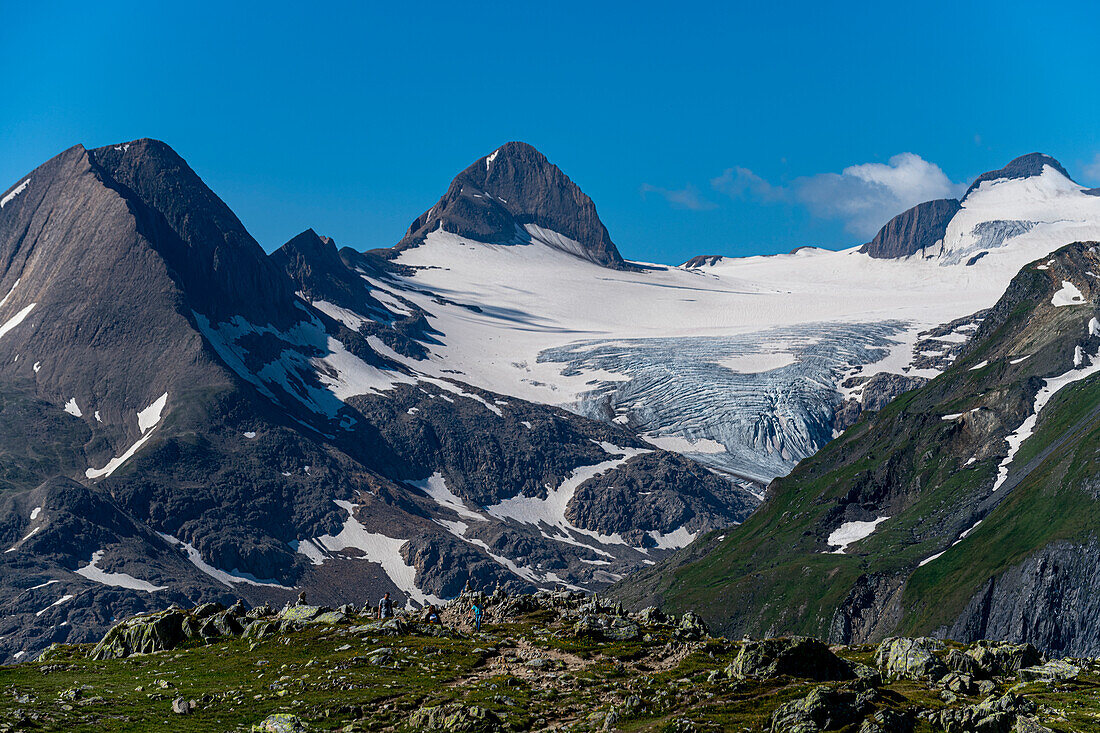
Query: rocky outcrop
[(825, 708), (913, 231), (500, 195), (1047, 600), (794, 657), (910, 659)]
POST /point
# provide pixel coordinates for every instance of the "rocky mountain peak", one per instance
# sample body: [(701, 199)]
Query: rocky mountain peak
[(1025, 166), (516, 194), (913, 230), (210, 252)]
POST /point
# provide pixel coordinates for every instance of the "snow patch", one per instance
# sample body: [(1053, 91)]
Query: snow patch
[(684, 444), (377, 548), (850, 532), (35, 512), (550, 510), (226, 579), (150, 416), (1068, 295), (73, 409), (249, 434), (147, 421), (16, 319), (14, 192), (63, 599), (117, 580), (980, 365), (13, 287), (435, 486), (1050, 387)]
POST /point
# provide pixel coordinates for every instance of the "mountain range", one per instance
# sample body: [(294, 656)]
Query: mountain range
[(500, 398)]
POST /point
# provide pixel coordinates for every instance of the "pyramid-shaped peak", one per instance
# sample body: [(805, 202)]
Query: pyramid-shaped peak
[(516, 193), (1025, 166)]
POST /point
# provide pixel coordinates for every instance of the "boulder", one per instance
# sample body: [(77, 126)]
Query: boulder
[(910, 658), (456, 718), (280, 723), (300, 613), (652, 616), (1057, 670), (1002, 658), (959, 683), (142, 634), (995, 715), (888, 721), (797, 656), (692, 627), (962, 662), (824, 708)]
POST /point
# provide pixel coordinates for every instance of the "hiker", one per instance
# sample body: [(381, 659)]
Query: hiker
[(385, 607), (431, 616), (477, 614)]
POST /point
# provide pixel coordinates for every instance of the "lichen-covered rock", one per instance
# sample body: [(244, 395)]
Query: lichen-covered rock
[(962, 662), (1053, 671), (653, 616), (300, 613), (622, 631), (959, 683), (995, 715), (456, 718), (998, 657), (910, 658), (888, 721), (824, 708), (280, 723), (692, 627), (797, 656), (142, 634)]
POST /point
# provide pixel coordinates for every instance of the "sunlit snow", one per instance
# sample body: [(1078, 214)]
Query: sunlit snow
[(850, 532), (118, 580)]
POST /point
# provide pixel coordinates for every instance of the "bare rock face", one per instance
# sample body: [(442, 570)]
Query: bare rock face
[(1047, 599), (499, 195), (913, 231)]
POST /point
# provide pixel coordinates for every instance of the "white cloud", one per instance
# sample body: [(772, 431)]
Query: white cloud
[(866, 196), (683, 198), (738, 182)]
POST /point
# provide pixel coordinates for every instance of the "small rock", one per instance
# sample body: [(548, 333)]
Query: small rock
[(181, 706)]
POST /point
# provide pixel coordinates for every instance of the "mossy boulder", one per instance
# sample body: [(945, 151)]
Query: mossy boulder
[(902, 658), (796, 656), (143, 634), (824, 708), (456, 718)]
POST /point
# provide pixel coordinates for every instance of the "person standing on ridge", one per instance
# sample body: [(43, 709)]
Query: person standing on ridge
[(477, 614), (385, 607)]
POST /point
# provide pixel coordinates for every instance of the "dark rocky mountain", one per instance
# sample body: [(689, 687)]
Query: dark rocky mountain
[(965, 508), (187, 419), (702, 261), (1024, 166), (515, 194), (913, 231)]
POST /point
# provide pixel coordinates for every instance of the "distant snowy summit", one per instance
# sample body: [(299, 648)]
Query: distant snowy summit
[(516, 195), (1033, 191)]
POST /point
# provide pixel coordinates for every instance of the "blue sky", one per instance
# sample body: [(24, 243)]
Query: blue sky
[(695, 127)]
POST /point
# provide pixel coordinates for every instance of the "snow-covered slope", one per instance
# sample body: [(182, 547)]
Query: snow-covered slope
[(1021, 218), (736, 362)]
